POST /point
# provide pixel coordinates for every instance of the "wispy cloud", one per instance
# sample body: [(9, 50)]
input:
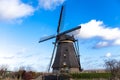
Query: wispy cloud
[(102, 44), (110, 55), (109, 36), (14, 9), (91, 62), (50, 4), (16, 57)]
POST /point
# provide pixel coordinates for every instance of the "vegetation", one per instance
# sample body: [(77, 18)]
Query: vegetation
[(112, 72), (90, 75), (113, 66), (22, 74)]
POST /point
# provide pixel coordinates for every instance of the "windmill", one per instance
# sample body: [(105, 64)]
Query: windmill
[(67, 56)]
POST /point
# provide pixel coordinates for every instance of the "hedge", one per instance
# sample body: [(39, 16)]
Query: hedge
[(90, 75)]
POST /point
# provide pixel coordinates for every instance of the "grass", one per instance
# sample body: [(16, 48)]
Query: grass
[(90, 76)]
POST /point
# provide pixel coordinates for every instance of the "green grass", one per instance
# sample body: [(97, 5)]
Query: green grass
[(90, 76)]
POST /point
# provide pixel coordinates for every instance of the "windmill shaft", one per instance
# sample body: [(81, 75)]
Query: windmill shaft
[(70, 30)]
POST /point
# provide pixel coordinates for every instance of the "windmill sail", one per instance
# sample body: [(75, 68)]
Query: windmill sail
[(59, 23)]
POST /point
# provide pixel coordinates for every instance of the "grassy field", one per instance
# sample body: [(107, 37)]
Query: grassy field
[(91, 79), (90, 76)]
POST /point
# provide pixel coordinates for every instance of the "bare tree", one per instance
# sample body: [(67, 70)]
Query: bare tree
[(3, 70), (24, 73), (113, 66)]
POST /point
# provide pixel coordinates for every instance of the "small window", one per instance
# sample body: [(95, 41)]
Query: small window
[(64, 63), (64, 55)]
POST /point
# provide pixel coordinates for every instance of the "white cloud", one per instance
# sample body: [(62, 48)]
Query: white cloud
[(14, 9), (50, 4), (98, 29), (117, 42), (90, 29), (108, 55), (109, 36)]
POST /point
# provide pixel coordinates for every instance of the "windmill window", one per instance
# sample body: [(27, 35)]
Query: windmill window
[(65, 55), (64, 63)]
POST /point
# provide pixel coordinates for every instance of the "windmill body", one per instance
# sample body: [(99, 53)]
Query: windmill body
[(66, 58)]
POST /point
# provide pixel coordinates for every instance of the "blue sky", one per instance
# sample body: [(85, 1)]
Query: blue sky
[(24, 22)]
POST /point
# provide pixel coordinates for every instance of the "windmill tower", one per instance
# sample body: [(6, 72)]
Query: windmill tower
[(66, 54)]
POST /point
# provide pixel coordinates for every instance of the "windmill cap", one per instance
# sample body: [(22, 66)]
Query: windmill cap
[(66, 37)]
